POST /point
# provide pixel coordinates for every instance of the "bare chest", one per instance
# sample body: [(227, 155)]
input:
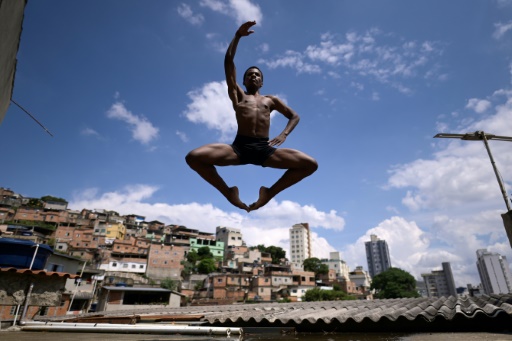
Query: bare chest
[(254, 106)]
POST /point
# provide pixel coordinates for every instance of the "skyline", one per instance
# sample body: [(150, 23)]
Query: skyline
[(128, 88)]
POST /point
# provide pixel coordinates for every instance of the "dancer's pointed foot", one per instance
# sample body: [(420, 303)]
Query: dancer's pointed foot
[(234, 198), (264, 198)]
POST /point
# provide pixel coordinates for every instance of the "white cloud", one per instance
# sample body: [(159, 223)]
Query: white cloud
[(211, 106), (89, 132), (183, 136), (460, 172), (269, 225), (241, 10), (504, 3), (186, 13), (478, 105), (406, 242), (456, 196), (372, 54), (142, 130), (291, 59), (501, 29)]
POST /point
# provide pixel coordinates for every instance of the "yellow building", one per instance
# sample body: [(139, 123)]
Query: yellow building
[(115, 230)]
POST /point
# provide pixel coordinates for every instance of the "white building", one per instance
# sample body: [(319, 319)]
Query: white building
[(300, 244), (440, 283), (360, 277), (494, 272), (338, 265), (230, 236)]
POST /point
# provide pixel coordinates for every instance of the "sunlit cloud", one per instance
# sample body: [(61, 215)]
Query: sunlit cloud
[(478, 105), (269, 225), (500, 29), (185, 11), (210, 105), (371, 54), (89, 132), (240, 10), (183, 136), (142, 129)]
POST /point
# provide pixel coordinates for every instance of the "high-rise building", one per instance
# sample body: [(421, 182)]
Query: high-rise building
[(300, 244), (377, 256), (494, 272), (440, 283)]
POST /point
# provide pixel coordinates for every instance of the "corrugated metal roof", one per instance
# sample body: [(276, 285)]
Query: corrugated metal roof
[(485, 313), (40, 272)]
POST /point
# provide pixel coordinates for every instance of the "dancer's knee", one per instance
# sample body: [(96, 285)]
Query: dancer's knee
[(192, 158), (312, 166)]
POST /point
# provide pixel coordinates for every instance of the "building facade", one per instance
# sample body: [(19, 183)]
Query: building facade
[(377, 256), (300, 244), (230, 236), (440, 283), (339, 266), (494, 272)]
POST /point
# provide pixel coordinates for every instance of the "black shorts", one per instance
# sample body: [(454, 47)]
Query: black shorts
[(253, 150)]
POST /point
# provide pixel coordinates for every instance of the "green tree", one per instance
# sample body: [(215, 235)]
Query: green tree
[(206, 266), (314, 264), (192, 256), (394, 283), (47, 198), (317, 294), (188, 268), (276, 253), (204, 253), (169, 283)]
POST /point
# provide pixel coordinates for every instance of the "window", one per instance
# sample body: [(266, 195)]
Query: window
[(141, 266), (114, 264), (133, 266), (13, 310), (43, 311)]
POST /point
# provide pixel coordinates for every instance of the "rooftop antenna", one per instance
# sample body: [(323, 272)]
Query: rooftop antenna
[(32, 117), (482, 136)]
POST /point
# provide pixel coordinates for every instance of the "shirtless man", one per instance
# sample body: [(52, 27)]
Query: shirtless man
[(252, 145)]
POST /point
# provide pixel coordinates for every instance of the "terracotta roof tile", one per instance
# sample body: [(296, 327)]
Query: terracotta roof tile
[(40, 272)]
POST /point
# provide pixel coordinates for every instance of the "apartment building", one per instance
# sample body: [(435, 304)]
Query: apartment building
[(216, 247), (165, 261), (494, 272), (340, 267), (440, 283), (377, 255), (300, 244), (231, 237)]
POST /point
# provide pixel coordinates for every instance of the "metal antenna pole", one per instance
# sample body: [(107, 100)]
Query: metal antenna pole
[(500, 182)]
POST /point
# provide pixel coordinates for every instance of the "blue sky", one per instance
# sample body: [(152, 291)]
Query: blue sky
[(127, 88)]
